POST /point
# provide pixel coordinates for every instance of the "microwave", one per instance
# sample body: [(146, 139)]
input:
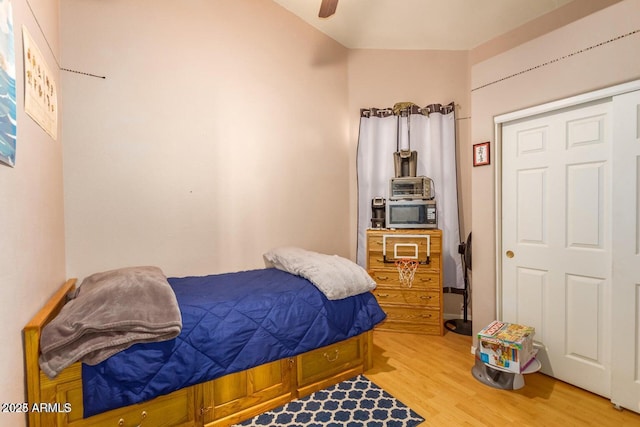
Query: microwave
[(411, 214)]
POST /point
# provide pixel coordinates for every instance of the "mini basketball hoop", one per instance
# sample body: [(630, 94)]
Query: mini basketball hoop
[(406, 270)]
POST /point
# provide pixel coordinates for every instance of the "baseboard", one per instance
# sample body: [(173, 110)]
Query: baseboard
[(449, 316)]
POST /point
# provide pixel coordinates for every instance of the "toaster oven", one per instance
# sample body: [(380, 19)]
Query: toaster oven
[(416, 187)]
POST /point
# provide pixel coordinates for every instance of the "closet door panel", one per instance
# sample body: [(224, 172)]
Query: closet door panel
[(556, 239), (626, 253)]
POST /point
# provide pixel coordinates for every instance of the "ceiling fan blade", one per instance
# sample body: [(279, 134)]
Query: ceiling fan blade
[(327, 8)]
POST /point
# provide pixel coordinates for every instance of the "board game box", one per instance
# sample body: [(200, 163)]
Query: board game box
[(508, 346)]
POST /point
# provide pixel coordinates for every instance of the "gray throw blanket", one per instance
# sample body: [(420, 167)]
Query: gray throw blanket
[(110, 312)]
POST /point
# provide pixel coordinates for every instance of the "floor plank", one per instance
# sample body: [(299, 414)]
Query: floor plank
[(432, 375)]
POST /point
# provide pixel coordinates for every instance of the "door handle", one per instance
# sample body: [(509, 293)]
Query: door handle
[(510, 254)]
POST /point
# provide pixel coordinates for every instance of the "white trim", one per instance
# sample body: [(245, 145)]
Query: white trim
[(569, 102), (405, 245), (402, 236), (498, 219)]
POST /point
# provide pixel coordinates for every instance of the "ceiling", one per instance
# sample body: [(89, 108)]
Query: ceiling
[(420, 24)]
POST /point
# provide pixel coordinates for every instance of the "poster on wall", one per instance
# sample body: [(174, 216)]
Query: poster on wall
[(7, 86), (40, 92)]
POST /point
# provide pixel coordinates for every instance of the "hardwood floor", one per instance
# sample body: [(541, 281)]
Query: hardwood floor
[(432, 375)]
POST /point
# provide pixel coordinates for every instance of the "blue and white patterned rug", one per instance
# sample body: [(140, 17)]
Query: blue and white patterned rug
[(353, 403)]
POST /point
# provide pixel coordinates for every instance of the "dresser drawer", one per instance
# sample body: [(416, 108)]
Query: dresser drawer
[(392, 245), (376, 261), (414, 297), (401, 238), (421, 280), (412, 314)]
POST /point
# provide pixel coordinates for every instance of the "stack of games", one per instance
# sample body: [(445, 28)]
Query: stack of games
[(507, 346)]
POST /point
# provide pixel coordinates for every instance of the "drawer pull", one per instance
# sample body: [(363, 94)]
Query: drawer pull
[(121, 422), (331, 357), (143, 415), (205, 410), (382, 277), (426, 297), (428, 279), (426, 316), (382, 295)]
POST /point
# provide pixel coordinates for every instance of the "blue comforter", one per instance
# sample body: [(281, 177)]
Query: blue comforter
[(231, 322)]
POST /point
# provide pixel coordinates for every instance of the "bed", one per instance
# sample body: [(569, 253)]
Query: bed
[(218, 390)]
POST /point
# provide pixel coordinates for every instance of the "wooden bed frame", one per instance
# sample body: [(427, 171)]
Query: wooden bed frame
[(220, 402)]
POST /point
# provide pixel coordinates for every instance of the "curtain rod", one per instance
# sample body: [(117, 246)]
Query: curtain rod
[(406, 108)]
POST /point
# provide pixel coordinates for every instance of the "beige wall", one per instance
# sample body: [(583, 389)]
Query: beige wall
[(32, 261), (605, 65), (219, 132), (537, 27)]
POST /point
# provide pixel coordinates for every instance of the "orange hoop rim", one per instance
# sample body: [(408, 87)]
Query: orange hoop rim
[(406, 261)]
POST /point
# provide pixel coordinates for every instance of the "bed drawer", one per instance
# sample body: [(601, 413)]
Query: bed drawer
[(339, 359), (241, 395), (175, 409)]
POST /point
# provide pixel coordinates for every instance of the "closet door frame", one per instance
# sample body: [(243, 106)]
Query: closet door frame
[(499, 121)]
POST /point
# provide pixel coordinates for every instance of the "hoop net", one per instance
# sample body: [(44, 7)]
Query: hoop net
[(406, 270)]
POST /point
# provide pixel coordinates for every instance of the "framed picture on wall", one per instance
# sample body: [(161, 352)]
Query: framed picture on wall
[(481, 154)]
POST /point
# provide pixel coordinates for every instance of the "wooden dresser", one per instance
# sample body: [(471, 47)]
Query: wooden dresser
[(418, 308)]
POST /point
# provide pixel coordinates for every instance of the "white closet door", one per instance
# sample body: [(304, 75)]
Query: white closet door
[(556, 239), (625, 389)]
